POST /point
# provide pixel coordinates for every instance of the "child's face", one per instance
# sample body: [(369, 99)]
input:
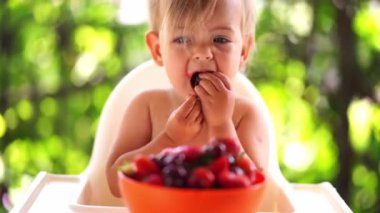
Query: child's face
[(216, 46)]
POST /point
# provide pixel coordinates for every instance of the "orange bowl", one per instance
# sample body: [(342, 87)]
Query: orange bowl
[(141, 198)]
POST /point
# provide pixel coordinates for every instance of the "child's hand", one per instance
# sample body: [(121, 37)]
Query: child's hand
[(186, 121), (217, 98)]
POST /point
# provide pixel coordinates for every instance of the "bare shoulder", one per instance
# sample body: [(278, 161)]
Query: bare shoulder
[(249, 111), (244, 103), (138, 121), (144, 105), (157, 103), (151, 96), (245, 107), (155, 106)]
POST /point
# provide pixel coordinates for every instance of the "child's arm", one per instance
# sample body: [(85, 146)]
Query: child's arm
[(253, 133), (218, 103), (135, 132)]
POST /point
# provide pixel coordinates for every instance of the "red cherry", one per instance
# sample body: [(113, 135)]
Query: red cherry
[(246, 164), (228, 179), (154, 179), (232, 146), (256, 177), (145, 166), (215, 149), (201, 178), (218, 165), (192, 153), (241, 181), (237, 170)]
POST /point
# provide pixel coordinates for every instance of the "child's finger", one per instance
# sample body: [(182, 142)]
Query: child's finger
[(194, 112), (199, 116), (185, 109), (224, 79), (199, 119), (200, 91), (216, 81), (208, 86)]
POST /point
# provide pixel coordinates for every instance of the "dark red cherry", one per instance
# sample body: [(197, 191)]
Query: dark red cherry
[(195, 79)]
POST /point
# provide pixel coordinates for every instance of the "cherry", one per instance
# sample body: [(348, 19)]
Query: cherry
[(145, 166), (191, 153), (201, 177), (159, 158), (256, 177), (233, 147), (237, 170), (218, 165), (195, 79), (154, 179), (246, 164), (231, 160), (174, 175), (215, 149), (228, 179), (241, 181), (177, 158)]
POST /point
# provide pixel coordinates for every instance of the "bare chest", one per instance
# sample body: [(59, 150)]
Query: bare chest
[(159, 119)]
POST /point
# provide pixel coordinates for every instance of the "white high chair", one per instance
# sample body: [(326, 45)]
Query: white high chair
[(149, 76), (89, 192)]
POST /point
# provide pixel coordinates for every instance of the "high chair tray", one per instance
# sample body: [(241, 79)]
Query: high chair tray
[(55, 193)]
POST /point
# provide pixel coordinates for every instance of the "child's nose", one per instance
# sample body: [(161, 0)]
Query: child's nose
[(202, 52)]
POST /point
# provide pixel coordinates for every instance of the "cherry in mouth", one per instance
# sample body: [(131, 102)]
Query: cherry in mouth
[(195, 79)]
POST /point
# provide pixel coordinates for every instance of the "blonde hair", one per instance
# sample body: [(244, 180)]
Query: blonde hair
[(165, 15)]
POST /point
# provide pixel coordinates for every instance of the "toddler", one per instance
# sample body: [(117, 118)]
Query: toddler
[(212, 38)]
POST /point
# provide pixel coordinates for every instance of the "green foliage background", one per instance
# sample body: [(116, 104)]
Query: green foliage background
[(317, 65)]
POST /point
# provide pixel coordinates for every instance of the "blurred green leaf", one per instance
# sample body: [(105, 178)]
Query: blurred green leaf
[(25, 109), (367, 25), (3, 126), (359, 115)]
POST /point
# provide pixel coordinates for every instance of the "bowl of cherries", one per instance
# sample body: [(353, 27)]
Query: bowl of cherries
[(213, 178)]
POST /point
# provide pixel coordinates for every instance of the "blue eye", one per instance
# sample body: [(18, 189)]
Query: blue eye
[(181, 40), (220, 40)]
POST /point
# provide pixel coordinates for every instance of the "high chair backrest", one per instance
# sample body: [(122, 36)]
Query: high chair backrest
[(144, 77)]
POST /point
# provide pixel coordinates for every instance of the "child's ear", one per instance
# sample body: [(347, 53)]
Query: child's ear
[(246, 50), (152, 41)]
